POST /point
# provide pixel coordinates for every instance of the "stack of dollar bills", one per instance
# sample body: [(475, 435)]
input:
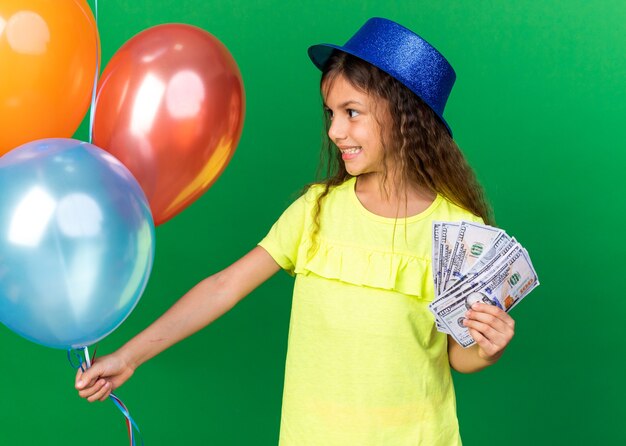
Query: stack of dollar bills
[(476, 263)]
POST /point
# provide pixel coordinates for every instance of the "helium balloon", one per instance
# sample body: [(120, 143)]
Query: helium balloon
[(77, 242), (170, 107), (48, 55)]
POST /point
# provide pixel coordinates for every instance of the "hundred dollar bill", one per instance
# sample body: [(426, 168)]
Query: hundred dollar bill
[(440, 249), (494, 253), (442, 328), (508, 283), (475, 278), (447, 238), (482, 268), (435, 255), (497, 249), (471, 242), (435, 266)]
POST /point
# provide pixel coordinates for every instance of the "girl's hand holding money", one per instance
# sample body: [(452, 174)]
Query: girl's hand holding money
[(492, 329)]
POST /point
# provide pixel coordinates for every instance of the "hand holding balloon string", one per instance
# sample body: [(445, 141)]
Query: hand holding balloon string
[(98, 380), (95, 388)]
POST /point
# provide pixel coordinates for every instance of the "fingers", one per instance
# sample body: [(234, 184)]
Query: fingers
[(488, 323), (99, 391), (482, 341), (92, 385), (79, 375), (491, 328), (104, 393), (87, 378), (105, 375), (492, 310)]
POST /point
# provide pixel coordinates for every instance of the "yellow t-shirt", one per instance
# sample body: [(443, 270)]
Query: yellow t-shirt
[(365, 364)]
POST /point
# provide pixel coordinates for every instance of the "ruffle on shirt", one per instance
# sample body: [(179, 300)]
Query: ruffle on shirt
[(399, 272)]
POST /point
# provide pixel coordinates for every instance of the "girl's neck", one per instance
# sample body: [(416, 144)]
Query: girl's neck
[(392, 202)]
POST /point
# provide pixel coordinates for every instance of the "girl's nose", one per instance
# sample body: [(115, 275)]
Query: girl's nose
[(336, 131)]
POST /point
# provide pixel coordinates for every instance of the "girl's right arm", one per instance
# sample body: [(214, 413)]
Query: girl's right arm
[(200, 306)]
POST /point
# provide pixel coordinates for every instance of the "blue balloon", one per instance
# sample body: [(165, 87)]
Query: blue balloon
[(76, 242)]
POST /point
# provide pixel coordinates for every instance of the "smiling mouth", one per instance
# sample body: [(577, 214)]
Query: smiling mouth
[(351, 150)]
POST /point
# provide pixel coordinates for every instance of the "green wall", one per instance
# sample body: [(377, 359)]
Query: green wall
[(539, 109)]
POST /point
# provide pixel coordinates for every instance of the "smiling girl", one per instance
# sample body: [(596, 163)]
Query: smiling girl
[(365, 364)]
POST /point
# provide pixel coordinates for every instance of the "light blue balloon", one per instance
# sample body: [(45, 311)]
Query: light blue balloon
[(76, 242)]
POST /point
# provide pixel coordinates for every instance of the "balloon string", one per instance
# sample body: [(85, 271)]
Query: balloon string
[(73, 355), (95, 78), (130, 423), (86, 353), (76, 361)]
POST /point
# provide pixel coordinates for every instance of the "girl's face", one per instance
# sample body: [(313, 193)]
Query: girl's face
[(354, 128)]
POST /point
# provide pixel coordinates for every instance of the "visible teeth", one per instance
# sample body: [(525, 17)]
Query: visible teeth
[(351, 150)]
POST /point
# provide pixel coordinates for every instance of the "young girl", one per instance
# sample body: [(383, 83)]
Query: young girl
[(365, 362)]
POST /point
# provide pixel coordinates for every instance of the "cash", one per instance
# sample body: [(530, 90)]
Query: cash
[(473, 263)]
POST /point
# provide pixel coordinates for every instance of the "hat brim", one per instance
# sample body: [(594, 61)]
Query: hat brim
[(319, 54)]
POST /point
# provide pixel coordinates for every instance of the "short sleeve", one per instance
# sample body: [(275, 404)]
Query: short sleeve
[(284, 238)]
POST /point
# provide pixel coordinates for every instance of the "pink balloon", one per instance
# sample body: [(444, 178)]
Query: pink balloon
[(170, 106)]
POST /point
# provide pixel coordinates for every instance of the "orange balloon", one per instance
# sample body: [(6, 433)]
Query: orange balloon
[(170, 106), (48, 56)]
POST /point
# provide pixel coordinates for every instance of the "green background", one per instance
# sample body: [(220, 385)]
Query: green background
[(539, 108)]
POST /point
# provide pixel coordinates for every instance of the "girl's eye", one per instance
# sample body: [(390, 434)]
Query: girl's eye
[(352, 113), (328, 112)]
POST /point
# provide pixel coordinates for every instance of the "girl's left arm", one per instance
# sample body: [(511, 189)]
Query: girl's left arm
[(492, 329)]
